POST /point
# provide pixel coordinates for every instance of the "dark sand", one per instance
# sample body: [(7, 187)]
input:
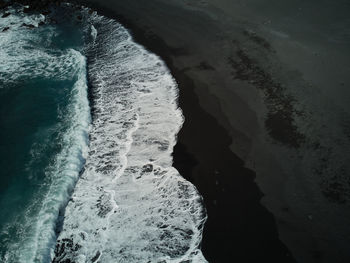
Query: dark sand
[(255, 97)]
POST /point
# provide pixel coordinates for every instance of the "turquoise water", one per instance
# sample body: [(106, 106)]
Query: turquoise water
[(44, 118)]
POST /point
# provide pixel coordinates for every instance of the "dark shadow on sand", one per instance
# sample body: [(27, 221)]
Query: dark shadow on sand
[(238, 229)]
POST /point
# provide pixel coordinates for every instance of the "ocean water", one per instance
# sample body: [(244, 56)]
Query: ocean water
[(88, 123)]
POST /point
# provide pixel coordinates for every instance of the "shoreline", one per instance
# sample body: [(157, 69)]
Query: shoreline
[(248, 231), (195, 163), (257, 103), (266, 137)]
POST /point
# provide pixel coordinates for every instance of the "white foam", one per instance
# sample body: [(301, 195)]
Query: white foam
[(21, 58), (40, 233), (130, 204), (93, 34)]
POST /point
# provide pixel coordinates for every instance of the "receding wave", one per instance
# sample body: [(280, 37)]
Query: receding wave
[(130, 204)]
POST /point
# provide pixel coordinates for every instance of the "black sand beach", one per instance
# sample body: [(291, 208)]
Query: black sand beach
[(254, 145), (238, 228)]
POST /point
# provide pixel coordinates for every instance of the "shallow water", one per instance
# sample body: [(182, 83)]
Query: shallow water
[(130, 204)]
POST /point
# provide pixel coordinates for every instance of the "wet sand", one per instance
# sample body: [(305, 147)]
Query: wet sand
[(246, 143)]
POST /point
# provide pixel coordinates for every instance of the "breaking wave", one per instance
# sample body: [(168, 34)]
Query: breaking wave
[(130, 204)]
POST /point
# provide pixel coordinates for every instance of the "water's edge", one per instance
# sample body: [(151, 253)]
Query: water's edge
[(168, 246), (128, 194)]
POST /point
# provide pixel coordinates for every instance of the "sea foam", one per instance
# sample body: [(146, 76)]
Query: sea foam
[(130, 204)]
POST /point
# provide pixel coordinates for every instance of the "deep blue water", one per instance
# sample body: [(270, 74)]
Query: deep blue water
[(42, 81)]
